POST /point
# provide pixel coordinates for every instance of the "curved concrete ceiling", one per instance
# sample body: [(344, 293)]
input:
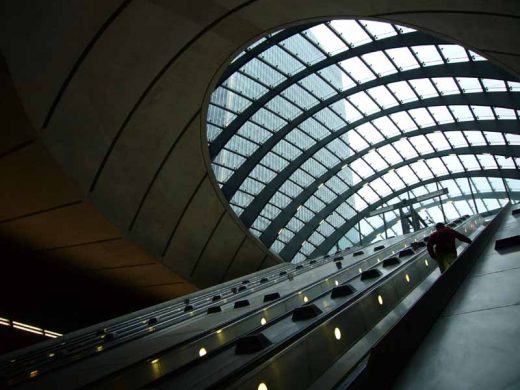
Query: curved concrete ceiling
[(116, 93)]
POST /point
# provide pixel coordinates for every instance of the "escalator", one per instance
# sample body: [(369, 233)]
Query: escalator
[(291, 326)]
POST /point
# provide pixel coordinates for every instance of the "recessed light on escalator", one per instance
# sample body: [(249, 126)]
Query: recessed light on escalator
[(380, 299), (263, 321), (337, 333), (336, 283), (360, 270), (99, 348), (202, 352), (262, 386), (33, 374), (407, 277), (305, 299), (426, 263)]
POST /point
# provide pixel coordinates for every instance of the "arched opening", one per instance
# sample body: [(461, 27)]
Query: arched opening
[(313, 127)]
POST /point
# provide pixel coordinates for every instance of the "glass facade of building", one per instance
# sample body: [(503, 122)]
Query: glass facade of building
[(313, 127)]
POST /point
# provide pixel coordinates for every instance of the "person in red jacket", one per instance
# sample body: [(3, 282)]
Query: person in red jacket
[(443, 239)]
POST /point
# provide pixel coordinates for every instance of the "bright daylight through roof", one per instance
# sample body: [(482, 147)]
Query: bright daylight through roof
[(314, 127)]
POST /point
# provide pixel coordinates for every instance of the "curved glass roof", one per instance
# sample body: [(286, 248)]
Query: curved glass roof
[(313, 127)]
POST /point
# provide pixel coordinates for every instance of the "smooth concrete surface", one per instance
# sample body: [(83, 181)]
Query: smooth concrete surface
[(117, 91), (474, 344)]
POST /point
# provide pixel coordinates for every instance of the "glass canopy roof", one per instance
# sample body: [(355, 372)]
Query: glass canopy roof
[(313, 127)]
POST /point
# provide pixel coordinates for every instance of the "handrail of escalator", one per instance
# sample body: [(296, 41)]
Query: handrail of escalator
[(349, 302), (262, 359), (435, 298), (322, 261)]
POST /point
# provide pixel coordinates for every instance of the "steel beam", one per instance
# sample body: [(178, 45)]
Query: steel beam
[(465, 197), (501, 99), (342, 230), (270, 234), (410, 39)]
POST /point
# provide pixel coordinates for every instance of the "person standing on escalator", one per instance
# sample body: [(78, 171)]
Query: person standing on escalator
[(443, 240)]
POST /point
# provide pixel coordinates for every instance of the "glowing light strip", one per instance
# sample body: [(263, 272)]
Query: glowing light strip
[(29, 328)]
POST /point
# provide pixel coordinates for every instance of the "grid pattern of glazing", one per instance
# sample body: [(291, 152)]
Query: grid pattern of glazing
[(314, 129)]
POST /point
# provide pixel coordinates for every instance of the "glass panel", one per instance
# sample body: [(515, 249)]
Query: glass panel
[(370, 133), (422, 117), (382, 96), (379, 30), (386, 126), (390, 154), (326, 39), (403, 58), (363, 103), (441, 114), (279, 59), (403, 120), (421, 143), (469, 84), (494, 85), (424, 88), (258, 70), (402, 90), (351, 31), (461, 113), (302, 49), (379, 63), (357, 70), (427, 54), (456, 138), (483, 112), (453, 53), (446, 85)]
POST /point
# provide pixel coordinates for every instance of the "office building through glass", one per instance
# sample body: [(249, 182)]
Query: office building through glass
[(313, 127)]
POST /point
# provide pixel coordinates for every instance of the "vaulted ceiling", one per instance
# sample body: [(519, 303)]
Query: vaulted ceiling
[(104, 159)]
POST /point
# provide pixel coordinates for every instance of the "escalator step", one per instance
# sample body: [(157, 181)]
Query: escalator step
[(214, 309), (241, 303), (305, 312), (507, 242), (342, 291), (406, 252), (390, 262), (251, 344), (370, 274), (271, 297)]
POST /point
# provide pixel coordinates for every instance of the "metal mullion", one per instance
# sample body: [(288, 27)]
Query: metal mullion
[(373, 40), (239, 93), (444, 135), (326, 54), (273, 67), (247, 140), (291, 143), (340, 37), (229, 110), (450, 173), (476, 192), (335, 113), (257, 80), (306, 66), (237, 153), (425, 207), (494, 158), (399, 102)]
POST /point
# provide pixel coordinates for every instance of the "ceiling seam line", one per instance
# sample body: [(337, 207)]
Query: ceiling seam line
[(154, 81)]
